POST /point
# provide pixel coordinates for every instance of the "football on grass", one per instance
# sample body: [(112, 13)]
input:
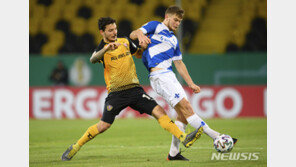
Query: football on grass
[(223, 143)]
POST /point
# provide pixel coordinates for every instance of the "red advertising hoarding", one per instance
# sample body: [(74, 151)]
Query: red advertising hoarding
[(88, 102)]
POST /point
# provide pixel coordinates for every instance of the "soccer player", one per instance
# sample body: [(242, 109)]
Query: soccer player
[(123, 88), (163, 49)]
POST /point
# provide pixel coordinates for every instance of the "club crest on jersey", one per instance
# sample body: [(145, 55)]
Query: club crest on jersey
[(109, 107), (125, 45)]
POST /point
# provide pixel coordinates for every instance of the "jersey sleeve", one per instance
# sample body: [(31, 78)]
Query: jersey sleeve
[(99, 47), (132, 46), (149, 28), (177, 53)]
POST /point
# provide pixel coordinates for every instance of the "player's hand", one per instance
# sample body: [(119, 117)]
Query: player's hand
[(144, 41), (195, 88), (112, 46), (143, 45)]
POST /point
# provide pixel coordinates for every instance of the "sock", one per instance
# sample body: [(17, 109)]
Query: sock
[(210, 132), (195, 121), (167, 124), (91, 132), (175, 141)]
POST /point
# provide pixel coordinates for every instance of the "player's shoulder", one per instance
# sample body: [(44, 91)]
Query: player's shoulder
[(101, 45), (153, 23)]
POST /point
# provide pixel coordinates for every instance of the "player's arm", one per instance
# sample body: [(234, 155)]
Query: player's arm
[(135, 51), (98, 55), (138, 34), (181, 68)]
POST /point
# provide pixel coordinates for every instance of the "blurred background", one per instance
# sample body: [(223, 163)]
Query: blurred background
[(209, 26), (224, 45)]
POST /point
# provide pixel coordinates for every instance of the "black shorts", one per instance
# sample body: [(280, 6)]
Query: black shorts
[(136, 98)]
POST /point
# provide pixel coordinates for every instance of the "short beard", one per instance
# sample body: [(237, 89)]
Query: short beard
[(112, 40)]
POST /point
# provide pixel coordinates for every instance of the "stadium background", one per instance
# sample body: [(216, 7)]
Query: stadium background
[(224, 45)]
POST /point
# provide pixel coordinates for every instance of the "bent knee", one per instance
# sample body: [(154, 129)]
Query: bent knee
[(184, 107), (158, 112), (103, 126)]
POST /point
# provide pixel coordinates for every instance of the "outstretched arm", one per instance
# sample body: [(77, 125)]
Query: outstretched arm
[(181, 68), (143, 39), (97, 56)]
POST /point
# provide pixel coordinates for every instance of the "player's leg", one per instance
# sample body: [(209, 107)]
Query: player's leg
[(146, 104), (185, 108), (171, 90), (167, 86), (174, 153), (193, 119), (93, 131), (166, 123), (90, 133), (181, 122), (113, 105)]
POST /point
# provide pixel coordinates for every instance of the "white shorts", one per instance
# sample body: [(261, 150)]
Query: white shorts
[(165, 84)]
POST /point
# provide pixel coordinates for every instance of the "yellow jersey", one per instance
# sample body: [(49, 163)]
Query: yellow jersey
[(119, 67)]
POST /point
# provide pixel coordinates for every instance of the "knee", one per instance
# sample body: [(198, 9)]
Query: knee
[(103, 126), (158, 112), (185, 107)]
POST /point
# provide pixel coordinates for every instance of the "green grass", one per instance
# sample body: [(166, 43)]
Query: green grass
[(140, 143)]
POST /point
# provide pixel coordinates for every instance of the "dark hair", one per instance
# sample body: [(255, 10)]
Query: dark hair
[(175, 10), (104, 21)]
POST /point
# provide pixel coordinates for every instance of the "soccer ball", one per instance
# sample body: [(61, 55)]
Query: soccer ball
[(223, 143)]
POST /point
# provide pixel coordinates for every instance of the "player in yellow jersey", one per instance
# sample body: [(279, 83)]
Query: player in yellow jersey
[(124, 89)]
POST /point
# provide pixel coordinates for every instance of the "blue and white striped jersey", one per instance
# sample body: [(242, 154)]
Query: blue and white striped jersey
[(164, 47)]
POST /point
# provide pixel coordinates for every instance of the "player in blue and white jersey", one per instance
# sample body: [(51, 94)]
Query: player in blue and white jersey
[(162, 48)]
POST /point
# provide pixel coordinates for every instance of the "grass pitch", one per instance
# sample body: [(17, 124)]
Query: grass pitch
[(139, 143)]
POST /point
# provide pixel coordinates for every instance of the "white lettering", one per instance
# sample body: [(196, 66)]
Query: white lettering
[(207, 104), (63, 103), (256, 157), (237, 103), (225, 156), (91, 104), (216, 156), (39, 104), (250, 156), (244, 155), (234, 156)]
